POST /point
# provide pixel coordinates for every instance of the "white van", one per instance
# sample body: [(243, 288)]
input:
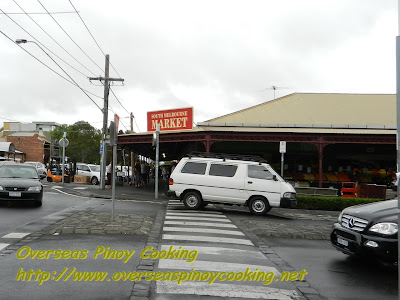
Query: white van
[(203, 178)]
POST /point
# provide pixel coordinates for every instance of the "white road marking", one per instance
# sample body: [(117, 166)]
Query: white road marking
[(177, 264), (211, 218), (219, 251), (16, 235), (213, 239), (205, 230), (196, 214), (3, 245), (209, 212), (210, 224), (225, 290), (80, 188)]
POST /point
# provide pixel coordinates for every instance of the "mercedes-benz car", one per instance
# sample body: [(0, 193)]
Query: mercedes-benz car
[(368, 230), (20, 182)]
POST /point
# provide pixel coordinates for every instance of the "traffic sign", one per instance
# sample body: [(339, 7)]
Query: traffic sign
[(63, 142), (282, 147)]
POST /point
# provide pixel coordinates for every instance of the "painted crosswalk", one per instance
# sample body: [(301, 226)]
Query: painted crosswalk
[(226, 263)]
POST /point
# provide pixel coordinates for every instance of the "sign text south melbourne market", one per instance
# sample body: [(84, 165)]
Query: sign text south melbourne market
[(173, 119)]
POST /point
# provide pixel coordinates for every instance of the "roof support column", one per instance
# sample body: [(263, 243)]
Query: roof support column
[(208, 143), (321, 147)]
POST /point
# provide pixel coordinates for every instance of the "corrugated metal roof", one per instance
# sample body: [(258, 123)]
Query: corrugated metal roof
[(298, 130), (358, 110)]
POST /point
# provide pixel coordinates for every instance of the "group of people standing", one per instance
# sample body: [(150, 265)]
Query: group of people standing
[(141, 172)]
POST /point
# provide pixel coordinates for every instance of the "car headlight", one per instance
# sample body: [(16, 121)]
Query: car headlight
[(1, 188), (384, 228), (289, 195), (35, 188)]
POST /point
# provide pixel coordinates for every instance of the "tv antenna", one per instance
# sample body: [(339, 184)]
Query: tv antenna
[(274, 88)]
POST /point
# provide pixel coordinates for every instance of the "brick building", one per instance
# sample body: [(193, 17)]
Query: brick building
[(35, 145), (34, 139)]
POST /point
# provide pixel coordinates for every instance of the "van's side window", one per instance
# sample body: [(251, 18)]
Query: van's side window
[(223, 170), (259, 172), (194, 168)]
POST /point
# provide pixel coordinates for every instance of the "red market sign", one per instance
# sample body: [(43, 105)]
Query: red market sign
[(173, 119)]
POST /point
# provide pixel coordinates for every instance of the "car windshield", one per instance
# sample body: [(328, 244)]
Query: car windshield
[(95, 168), (18, 172)]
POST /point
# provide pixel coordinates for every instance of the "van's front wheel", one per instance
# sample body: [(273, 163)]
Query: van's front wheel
[(192, 200), (259, 206)]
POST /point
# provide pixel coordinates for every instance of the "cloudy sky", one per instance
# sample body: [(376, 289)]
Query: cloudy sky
[(217, 56)]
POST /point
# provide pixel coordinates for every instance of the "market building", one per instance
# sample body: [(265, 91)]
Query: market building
[(330, 138)]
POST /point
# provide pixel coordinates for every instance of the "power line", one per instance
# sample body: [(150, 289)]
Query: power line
[(87, 28), (119, 101), (136, 123), (93, 37), (55, 71), (45, 46), (47, 65), (70, 36)]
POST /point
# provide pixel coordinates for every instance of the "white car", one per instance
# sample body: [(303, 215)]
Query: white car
[(41, 168), (89, 170), (203, 178)]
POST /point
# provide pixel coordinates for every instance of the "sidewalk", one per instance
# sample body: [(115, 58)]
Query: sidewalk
[(122, 192)]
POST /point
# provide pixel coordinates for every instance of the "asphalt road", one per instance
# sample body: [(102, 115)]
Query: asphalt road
[(24, 217), (292, 239), (335, 275)]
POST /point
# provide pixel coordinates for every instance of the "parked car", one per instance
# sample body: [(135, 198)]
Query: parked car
[(20, 182), (89, 170), (41, 168), (368, 230), (203, 178)]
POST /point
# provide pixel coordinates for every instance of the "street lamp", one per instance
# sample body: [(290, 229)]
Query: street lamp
[(21, 41)]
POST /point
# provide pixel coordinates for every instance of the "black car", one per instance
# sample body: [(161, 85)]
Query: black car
[(368, 230), (19, 182)]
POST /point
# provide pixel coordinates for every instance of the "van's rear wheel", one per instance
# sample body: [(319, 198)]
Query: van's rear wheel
[(192, 200), (259, 206)]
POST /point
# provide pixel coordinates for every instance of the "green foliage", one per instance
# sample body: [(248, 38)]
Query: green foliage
[(330, 203), (84, 141)]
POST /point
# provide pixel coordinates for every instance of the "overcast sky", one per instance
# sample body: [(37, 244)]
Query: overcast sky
[(217, 56)]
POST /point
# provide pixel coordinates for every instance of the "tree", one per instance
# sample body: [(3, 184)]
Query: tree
[(84, 141)]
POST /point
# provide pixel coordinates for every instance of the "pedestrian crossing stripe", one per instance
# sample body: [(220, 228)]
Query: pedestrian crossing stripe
[(211, 218), (225, 290), (15, 235), (195, 214), (203, 230), (213, 239), (208, 224), (181, 211), (220, 251), (3, 245), (215, 266)]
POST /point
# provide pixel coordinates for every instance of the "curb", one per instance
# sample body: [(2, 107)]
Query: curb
[(142, 290)]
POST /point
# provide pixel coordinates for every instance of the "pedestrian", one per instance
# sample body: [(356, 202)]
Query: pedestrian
[(137, 174), (147, 172), (142, 173), (109, 174)]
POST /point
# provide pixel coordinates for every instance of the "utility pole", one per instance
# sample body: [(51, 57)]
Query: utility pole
[(131, 122), (107, 80)]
